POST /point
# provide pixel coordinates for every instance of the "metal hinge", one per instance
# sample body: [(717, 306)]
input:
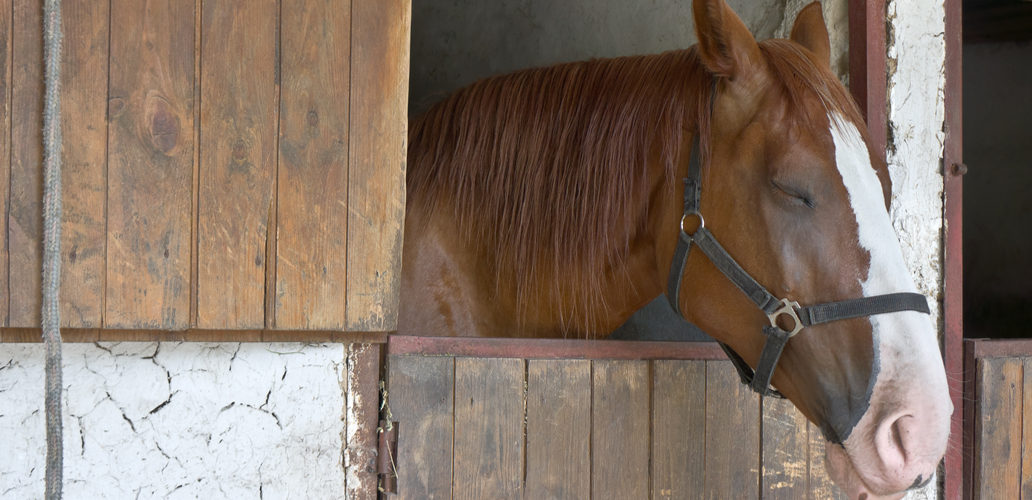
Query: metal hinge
[(386, 457)]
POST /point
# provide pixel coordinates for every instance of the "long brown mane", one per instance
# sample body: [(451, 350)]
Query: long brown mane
[(548, 167)]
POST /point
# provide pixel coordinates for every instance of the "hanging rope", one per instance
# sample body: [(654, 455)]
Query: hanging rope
[(51, 316)]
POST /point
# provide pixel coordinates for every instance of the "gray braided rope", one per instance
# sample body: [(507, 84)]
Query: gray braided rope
[(51, 315)]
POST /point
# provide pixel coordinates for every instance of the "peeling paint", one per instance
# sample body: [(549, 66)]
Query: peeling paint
[(179, 420)]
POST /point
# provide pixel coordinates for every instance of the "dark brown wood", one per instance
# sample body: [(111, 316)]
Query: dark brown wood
[(732, 435), (953, 265), (84, 87), (867, 66), (558, 432), (785, 451), (553, 348), (72, 335), (150, 167), (238, 145), (376, 179), (363, 398), (999, 21), (620, 429), (970, 393), (489, 432), (820, 485), (678, 428), (998, 429), (312, 201), (420, 397), (1026, 429), (6, 56), (1000, 348), (25, 219)]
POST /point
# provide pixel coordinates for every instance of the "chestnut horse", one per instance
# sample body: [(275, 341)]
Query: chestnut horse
[(548, 203)]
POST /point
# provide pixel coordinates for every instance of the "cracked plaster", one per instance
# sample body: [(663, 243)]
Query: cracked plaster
[(179, 420)]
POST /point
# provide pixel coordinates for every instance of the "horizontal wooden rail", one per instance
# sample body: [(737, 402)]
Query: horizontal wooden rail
[(552, 348), (23, 335)]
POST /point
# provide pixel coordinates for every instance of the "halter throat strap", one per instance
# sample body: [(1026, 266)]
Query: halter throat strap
[(780, 311)]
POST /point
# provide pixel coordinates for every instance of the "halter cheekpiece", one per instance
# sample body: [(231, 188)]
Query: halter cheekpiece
[(782, 312)]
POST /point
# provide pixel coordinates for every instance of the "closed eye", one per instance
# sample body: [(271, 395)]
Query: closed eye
[(794, 195)]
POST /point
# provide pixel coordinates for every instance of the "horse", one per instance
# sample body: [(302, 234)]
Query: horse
[(557, 201)]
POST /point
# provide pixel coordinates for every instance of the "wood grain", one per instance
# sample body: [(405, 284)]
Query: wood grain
[(421, 398), (84, 85), (558, 434), (312, 201), (820, 484), (489, 433), (237, 160), (620, 429), (678, 428), (376, 179), (998, 429), (25, 217), (732, 434), (6, 56), (150, 165), (785, 451), (1026, 429), (363, 403)]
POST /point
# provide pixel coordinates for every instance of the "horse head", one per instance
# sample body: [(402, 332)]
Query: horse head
[(793, 190)]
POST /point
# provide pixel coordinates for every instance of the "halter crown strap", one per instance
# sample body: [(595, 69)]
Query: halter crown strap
[(775, 308)]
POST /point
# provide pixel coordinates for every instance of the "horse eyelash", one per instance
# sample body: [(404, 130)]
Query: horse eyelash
[(797, 195)]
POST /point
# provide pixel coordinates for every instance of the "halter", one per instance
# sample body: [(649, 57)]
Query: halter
[(775, 308)]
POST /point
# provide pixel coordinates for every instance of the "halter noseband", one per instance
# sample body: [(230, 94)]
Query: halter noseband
[(775, 308)]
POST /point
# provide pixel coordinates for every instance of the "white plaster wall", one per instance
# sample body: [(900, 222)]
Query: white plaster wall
[(916, 110), (180, 420)]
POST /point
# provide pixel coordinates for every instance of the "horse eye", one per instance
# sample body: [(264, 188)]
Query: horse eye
[(796, 195)]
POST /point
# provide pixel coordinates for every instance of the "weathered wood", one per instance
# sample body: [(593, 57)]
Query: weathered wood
[(84, 87), (376, 179), (1026, 429), (237, 160), (6, 57), (25, 219), (620, 429), (558, 437), (363, 416), (821, 487), (489, 434), (785, 451), (732, 434), (554, 348), (678, 428), (150, 165), (998, 429), (312, 201), (420, 397)]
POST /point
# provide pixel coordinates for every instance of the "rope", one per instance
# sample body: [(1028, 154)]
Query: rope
[(51, 316)]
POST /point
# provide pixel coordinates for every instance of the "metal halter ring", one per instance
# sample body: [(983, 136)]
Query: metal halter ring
[(789, 308), (692, 213)]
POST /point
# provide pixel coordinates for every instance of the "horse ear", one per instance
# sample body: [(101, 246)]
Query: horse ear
[(810, 32), (725, 45)]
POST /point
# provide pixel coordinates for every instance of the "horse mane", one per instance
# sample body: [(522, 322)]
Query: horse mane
[(548, 167)]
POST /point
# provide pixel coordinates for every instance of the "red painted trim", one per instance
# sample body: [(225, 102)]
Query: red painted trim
[(960, 486), (551, 348), (867, 75), (953, 262)]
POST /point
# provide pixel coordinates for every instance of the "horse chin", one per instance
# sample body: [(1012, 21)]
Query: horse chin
[(842, 471)]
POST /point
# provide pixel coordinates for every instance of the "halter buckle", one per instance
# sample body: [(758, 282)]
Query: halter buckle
[(789, 308)]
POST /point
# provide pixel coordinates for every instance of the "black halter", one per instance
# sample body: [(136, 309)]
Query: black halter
[(775, 308)]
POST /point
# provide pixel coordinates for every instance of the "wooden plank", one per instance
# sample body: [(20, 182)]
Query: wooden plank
[(363, 397), (554, 348), (998, 429), (784, 451), (678, 428), (6, 56), (84, 130), (489, 434), (421, 399), (732, 435), (620, 428), (312, 200), (237, 160), (821, 487), (25, 219), (558, 433), (1026, 429), (150, 164), (378, 147)]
